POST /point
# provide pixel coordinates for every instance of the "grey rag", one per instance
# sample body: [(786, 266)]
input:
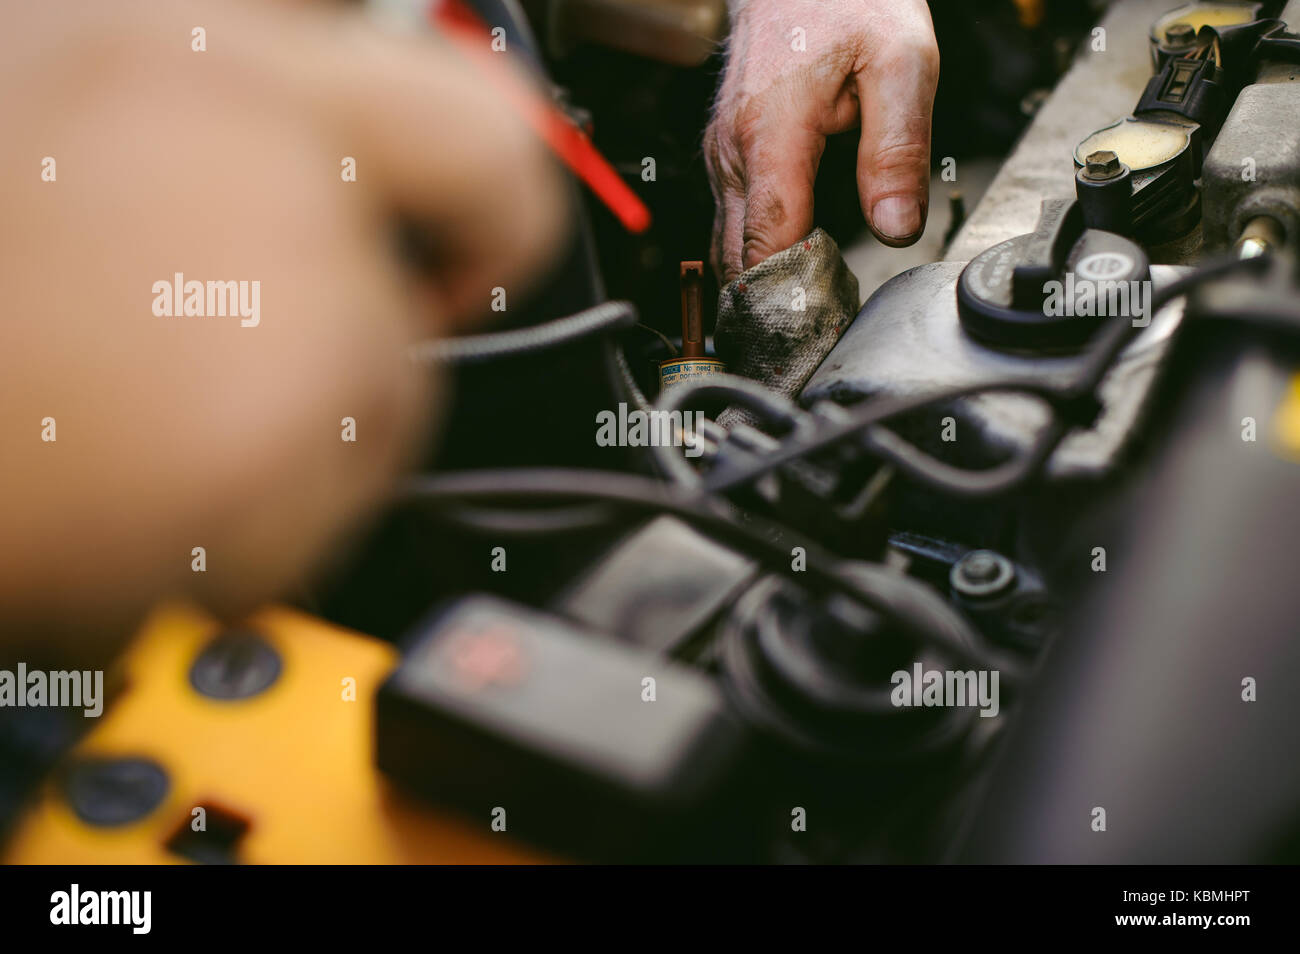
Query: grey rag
[(779, 319)]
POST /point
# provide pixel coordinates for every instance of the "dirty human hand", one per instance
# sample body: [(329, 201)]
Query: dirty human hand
[(799, 71)]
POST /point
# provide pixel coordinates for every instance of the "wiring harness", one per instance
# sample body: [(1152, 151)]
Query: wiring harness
[(546, 500)]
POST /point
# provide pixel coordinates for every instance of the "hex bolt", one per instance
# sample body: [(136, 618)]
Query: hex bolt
[(1103, 164), (982, 573), (1179, 36)]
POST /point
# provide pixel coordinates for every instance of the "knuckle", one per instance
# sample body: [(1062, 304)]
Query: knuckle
[(756, 250), (904, 156), (759, 235), (747, 134), (756, 247), (924, 50), (914, 53), (722, 159)]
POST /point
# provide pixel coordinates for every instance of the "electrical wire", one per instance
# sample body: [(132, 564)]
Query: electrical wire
[(917, 609), (673, 350), (749, 394), (624, 381), (605, 318), (490, 499), (1070, 403)]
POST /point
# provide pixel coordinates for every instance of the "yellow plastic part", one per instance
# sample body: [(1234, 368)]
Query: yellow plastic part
[(296, 761), (1286, 422)]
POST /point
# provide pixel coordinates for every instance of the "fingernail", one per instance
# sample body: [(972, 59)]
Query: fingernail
[(896, 217)]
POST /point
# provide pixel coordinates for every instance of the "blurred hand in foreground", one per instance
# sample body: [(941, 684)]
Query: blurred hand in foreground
[(228, 164)]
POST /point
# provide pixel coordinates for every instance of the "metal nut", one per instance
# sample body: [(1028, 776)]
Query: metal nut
[(1180, 35), (1103, 164), (982, 573)]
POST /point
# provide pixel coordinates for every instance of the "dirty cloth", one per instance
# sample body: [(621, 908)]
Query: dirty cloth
[(779, 319)]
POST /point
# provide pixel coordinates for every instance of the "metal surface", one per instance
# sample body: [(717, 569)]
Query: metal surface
[(1260, 138), (656, 587), (1103, 164), (1101, 87), (682, 32), (1142, 709), (982, 573), (908, 339), (1261, 235), (692, 310)]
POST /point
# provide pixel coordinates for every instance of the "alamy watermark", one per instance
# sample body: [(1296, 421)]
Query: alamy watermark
[(194, 299), (129, 908), (946, 688), (1092, 291), (78, 689), (637, 428)]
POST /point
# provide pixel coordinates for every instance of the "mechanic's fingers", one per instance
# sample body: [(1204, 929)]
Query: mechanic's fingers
[(727, 184), (724, 247), (431, 127), (728, 229), (780, 157), (897, 97)]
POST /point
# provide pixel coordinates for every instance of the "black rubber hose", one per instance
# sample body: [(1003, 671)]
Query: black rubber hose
[(1002, 478), (604, 318), (749, 394), (921, 611)]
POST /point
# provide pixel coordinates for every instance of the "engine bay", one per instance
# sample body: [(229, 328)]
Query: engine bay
[(979, 551), (858, 598)]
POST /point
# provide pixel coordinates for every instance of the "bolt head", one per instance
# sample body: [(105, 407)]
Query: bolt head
[(982, 573), (1180, 35), (980, 566), (1103, 164)]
